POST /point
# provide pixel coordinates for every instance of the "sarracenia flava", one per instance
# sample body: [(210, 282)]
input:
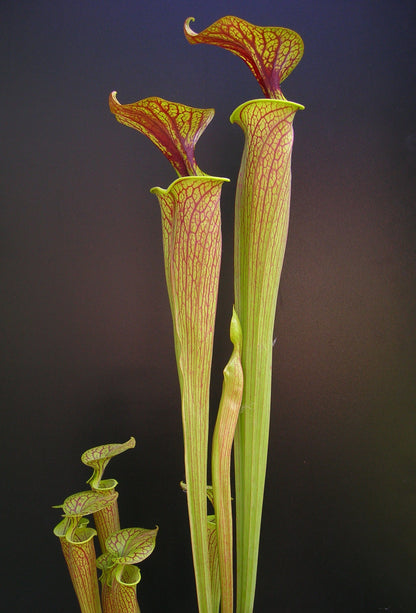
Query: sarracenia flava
[(261, 226), (191, 232), (121, 549)]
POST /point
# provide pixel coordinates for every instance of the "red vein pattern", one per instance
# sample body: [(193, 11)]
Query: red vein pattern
[(174, 128), (191, 226), (105, 452), (99, 457), (191, 223), (121, 596), (124, 548), (261, 225), (107, 520), (88, 502), (79, 553), (271, 53), (131, 545)]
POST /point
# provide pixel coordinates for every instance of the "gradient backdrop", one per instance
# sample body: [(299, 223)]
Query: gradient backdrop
[(86, 342)]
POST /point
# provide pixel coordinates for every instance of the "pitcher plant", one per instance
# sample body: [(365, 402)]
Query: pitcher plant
[(191, 238)]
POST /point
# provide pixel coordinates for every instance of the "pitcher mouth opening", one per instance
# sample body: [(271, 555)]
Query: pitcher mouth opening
[(267, 101), (160, 190)]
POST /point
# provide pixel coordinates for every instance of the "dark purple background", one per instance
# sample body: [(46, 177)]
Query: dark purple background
[(87, 350)]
